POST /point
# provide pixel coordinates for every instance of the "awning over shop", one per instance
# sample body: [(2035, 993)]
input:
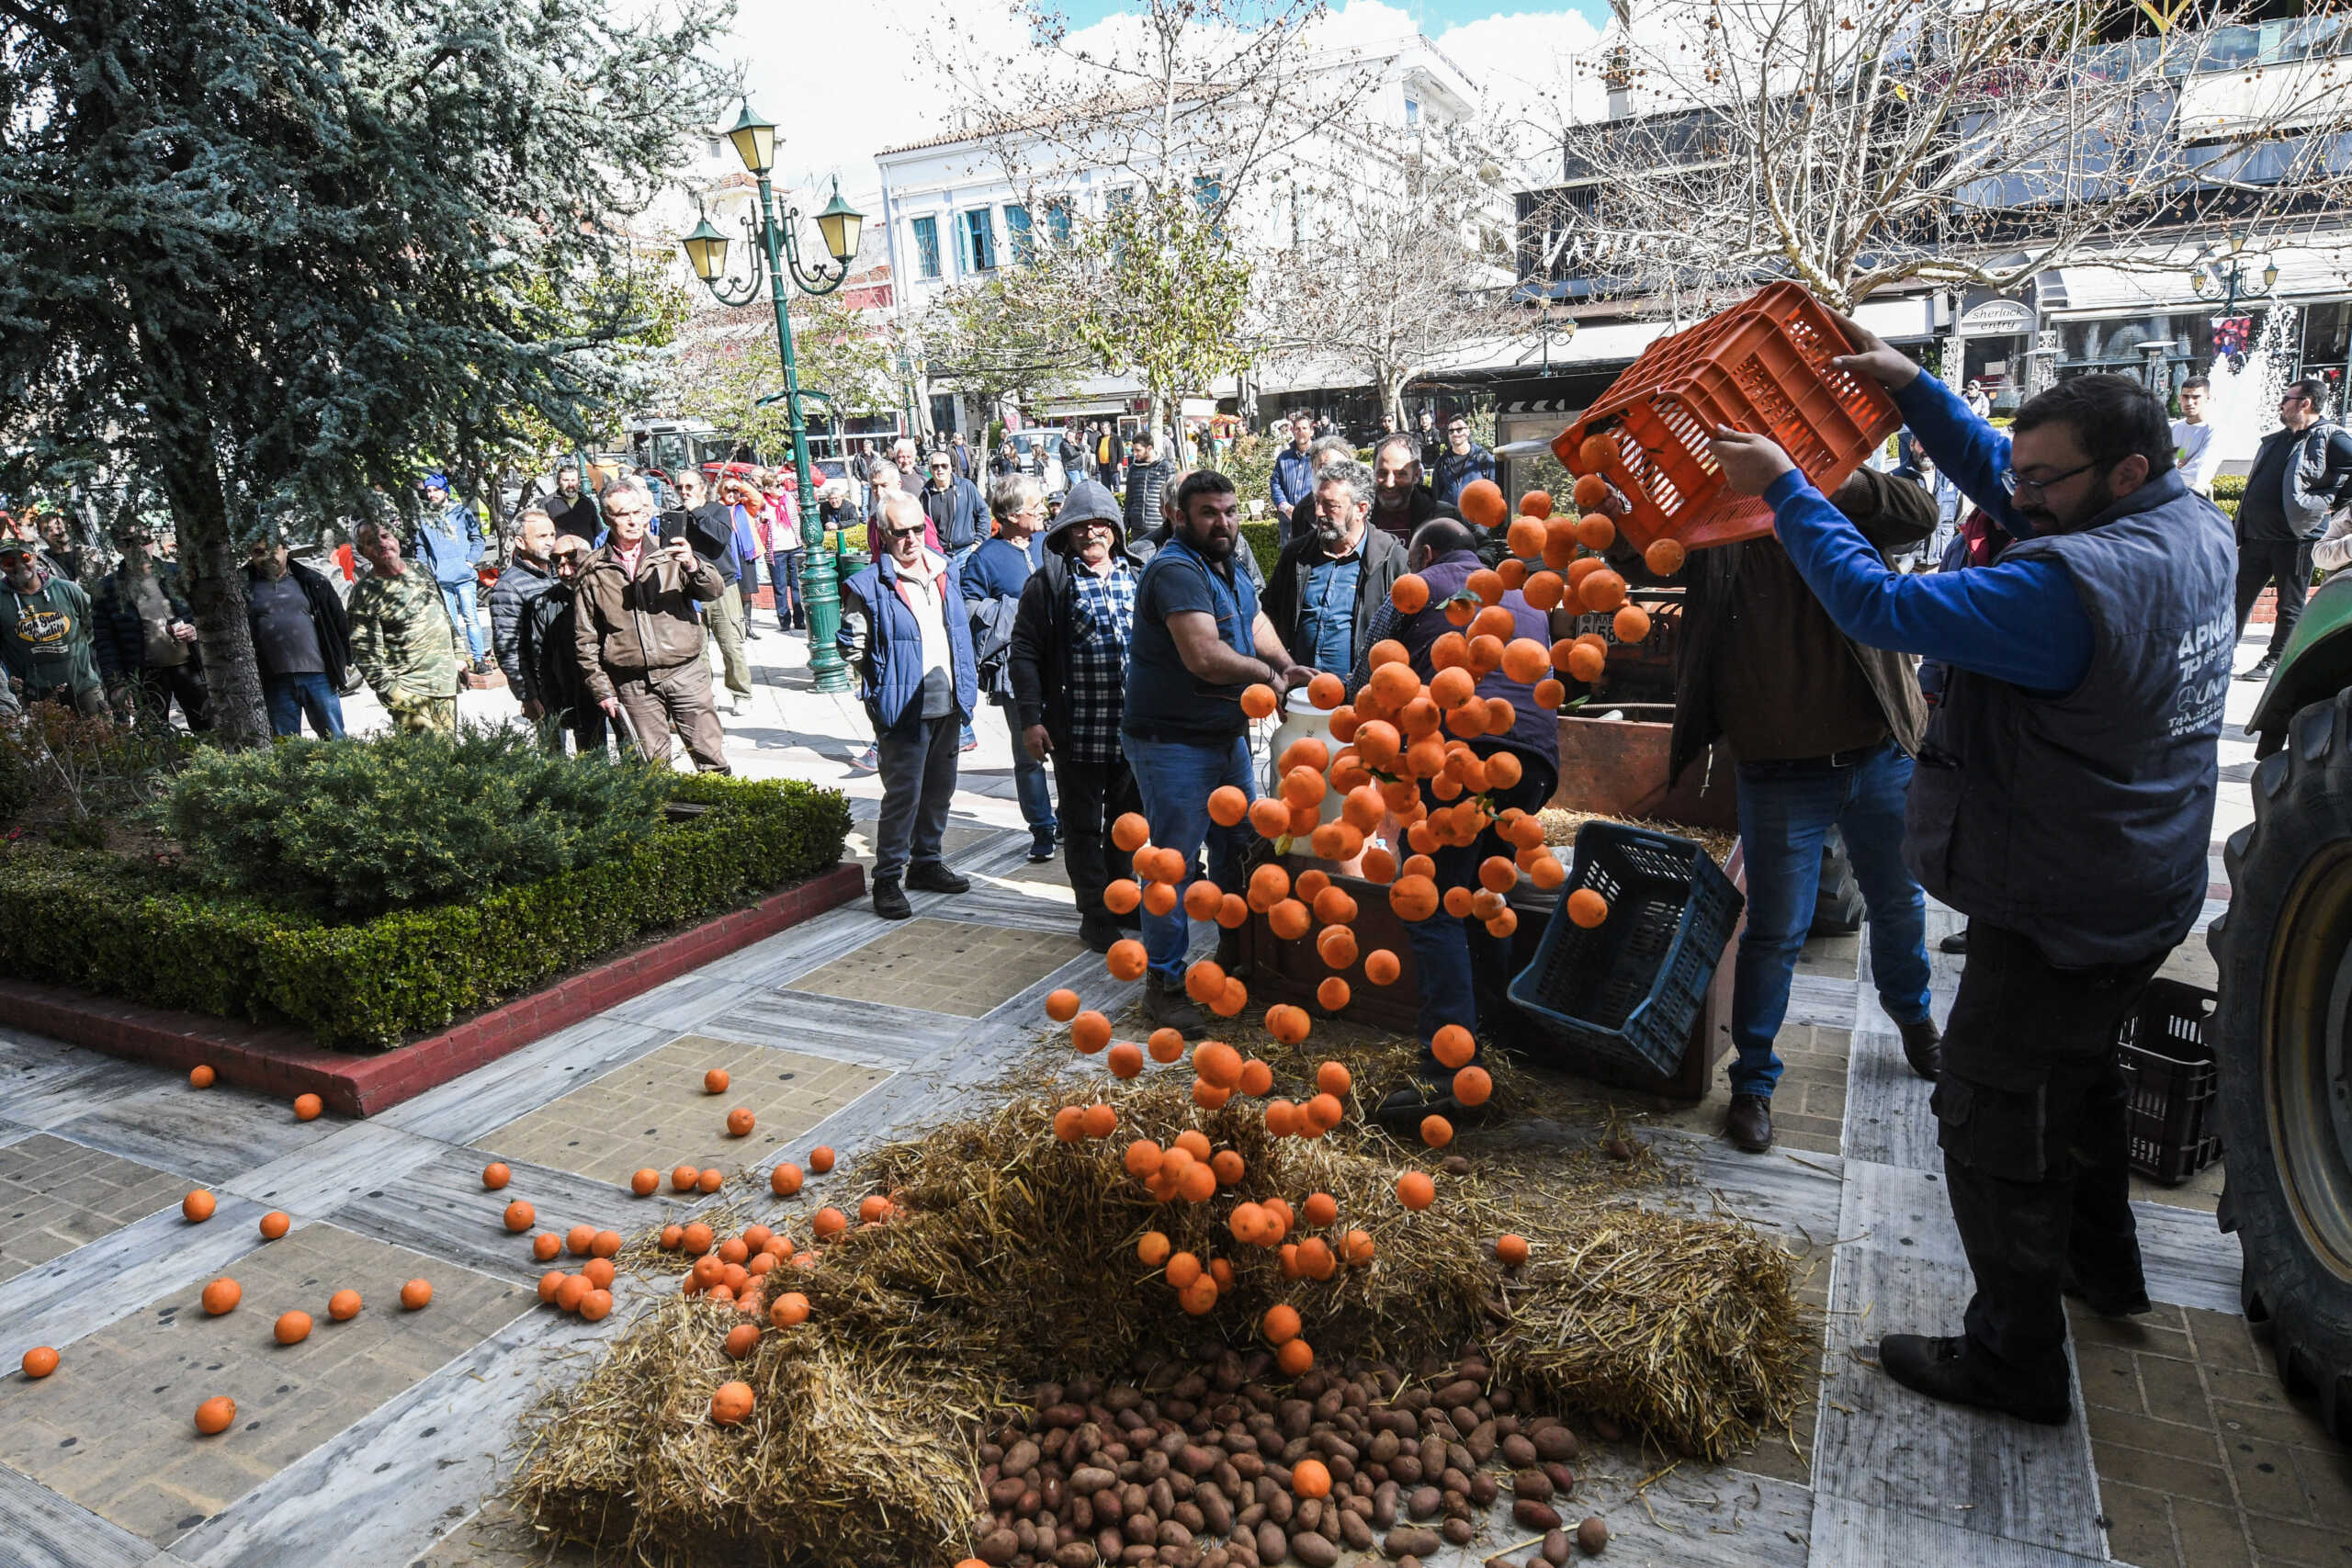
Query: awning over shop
[(1906, 318), (2305, 272)]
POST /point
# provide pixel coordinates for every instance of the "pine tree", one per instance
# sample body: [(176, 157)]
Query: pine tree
[(274, 256)]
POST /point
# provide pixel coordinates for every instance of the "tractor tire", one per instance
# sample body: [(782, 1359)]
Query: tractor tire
[(2279, 1036)]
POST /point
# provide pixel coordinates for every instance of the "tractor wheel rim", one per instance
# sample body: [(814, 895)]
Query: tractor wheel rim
[(2308, 1094)]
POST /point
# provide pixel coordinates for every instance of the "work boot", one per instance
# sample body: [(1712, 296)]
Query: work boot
[(1099, 932), (933, 876), (1229, 950), (1168, 1009), (1956, 942), (1942, 1368), (2262, 667), (890, 899), (1923, 1047), (1429, 1092), (1748, 1123)]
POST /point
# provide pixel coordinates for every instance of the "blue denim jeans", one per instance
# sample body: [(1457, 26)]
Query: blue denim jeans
[(459, 599), (1174, 778), (291, 696), (1029, 780), (1785, 810)]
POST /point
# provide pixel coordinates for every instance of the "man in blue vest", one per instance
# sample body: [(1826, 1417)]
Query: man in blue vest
[(905, 631), (449, 544), (2063, 801), (1199, 640)]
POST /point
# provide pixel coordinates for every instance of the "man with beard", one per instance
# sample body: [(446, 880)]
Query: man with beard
[(1400, 503), (301, 641), (572, 510), (1335, 574), (1200, 639), (2063, 801)]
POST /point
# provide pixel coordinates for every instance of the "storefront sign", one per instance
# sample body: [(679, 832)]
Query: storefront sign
[(1996, 318)]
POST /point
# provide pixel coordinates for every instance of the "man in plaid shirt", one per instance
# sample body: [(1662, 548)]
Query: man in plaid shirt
[(1069, 664)]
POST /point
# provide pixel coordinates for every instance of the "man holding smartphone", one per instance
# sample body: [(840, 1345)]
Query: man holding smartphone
[(642, 643)]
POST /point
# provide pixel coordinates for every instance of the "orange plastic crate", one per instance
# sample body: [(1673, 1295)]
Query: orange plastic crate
[(1762, 365)]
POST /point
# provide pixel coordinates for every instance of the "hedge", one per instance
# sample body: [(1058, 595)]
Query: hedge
[(98, 922)]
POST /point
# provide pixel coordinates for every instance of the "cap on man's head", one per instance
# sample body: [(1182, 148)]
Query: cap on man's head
[(435, 482), (12, 548)]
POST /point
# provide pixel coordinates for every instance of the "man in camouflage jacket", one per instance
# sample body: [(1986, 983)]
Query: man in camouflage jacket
[(402, 639)]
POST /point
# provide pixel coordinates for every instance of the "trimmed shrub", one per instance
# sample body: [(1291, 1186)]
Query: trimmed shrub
[(1265, 542), (124, 928), (395, 822)]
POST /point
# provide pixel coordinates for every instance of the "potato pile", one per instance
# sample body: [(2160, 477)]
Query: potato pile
[(1208, 1464)]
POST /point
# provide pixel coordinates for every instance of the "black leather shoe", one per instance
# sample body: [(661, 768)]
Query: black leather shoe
[(935, 877), (1099, 932), (1956, 943), (1749, 1124), (1229, 950), (1941, 1369), (1923, 1047), (890, 899), (1401, 1108), (1171, 1010), (2261, 669)]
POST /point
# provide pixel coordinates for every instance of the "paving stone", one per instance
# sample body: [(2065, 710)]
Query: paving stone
[(2139, 1525), (2325, 1475), (2211, 1536), (2162, 1472), (2109, 1377), (2267, 1480), (2130, 1430), (653, 1112), (113, 1429), (2224, 1341), (947, 966), (2173, 1390), (2281, 1541), (56, 1195)]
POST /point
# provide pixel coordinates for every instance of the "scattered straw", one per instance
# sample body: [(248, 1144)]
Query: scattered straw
[(1560, 827), (1012, 1258)]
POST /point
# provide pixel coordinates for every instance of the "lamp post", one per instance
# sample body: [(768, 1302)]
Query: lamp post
[(775, 253), (2223, 269)]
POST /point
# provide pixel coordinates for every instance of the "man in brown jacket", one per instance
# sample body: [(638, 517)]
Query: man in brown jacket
[(640, 641), (1822, 731)]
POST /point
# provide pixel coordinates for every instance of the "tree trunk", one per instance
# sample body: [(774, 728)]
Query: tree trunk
[(211, 563)]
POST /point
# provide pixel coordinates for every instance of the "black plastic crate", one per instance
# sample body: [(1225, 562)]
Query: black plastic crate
[(1631, 986), (2168, 1070)]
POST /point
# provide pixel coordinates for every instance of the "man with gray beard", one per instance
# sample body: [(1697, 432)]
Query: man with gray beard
[(1335, 573)]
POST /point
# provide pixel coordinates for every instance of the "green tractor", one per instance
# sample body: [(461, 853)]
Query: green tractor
[(2282, 1030)]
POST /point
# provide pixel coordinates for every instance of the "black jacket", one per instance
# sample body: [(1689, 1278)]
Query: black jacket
[(120, 645), (548, 649), (327, 613), (710, 530), (1893, 515), (1286, 598), (510, 596), (1038, 660)]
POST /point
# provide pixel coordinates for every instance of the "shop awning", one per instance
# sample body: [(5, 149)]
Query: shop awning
[(2305, 272)]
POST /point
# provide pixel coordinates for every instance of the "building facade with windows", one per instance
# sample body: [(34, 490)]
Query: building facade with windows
[(950, 215)]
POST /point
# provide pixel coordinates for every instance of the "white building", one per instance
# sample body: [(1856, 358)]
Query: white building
[(952, 213)]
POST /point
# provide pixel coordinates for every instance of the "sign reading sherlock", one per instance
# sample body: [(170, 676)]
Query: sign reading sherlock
[(1996, 318)]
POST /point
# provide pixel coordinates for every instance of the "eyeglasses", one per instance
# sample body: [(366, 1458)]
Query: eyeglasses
[(2015, 483), (902, 533)]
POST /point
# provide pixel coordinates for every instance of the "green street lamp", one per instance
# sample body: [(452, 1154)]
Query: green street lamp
[(774, 255)]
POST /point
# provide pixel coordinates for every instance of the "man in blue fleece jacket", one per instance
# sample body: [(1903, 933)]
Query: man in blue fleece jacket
[(2063, 801)]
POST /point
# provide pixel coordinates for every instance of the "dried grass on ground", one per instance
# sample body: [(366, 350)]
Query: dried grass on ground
[(1012, 1259)]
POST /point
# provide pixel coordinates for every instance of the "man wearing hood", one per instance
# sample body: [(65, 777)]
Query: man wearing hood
[(449, 546), (1068, 665)]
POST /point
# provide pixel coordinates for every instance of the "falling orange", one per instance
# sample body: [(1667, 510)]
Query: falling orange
[(1258, 701), (1125, 1060), (1130, 832), (1126, 959), (1295, 1357), (1416, 1191), (731, 1403), (1436, 1131), (1454, 1046), (784, 1179), (1089, 1031), (1665, 557), (1587, 908)]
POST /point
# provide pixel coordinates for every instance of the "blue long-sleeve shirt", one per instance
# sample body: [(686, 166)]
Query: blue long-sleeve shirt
[(2015, 621), (1292, 479)]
